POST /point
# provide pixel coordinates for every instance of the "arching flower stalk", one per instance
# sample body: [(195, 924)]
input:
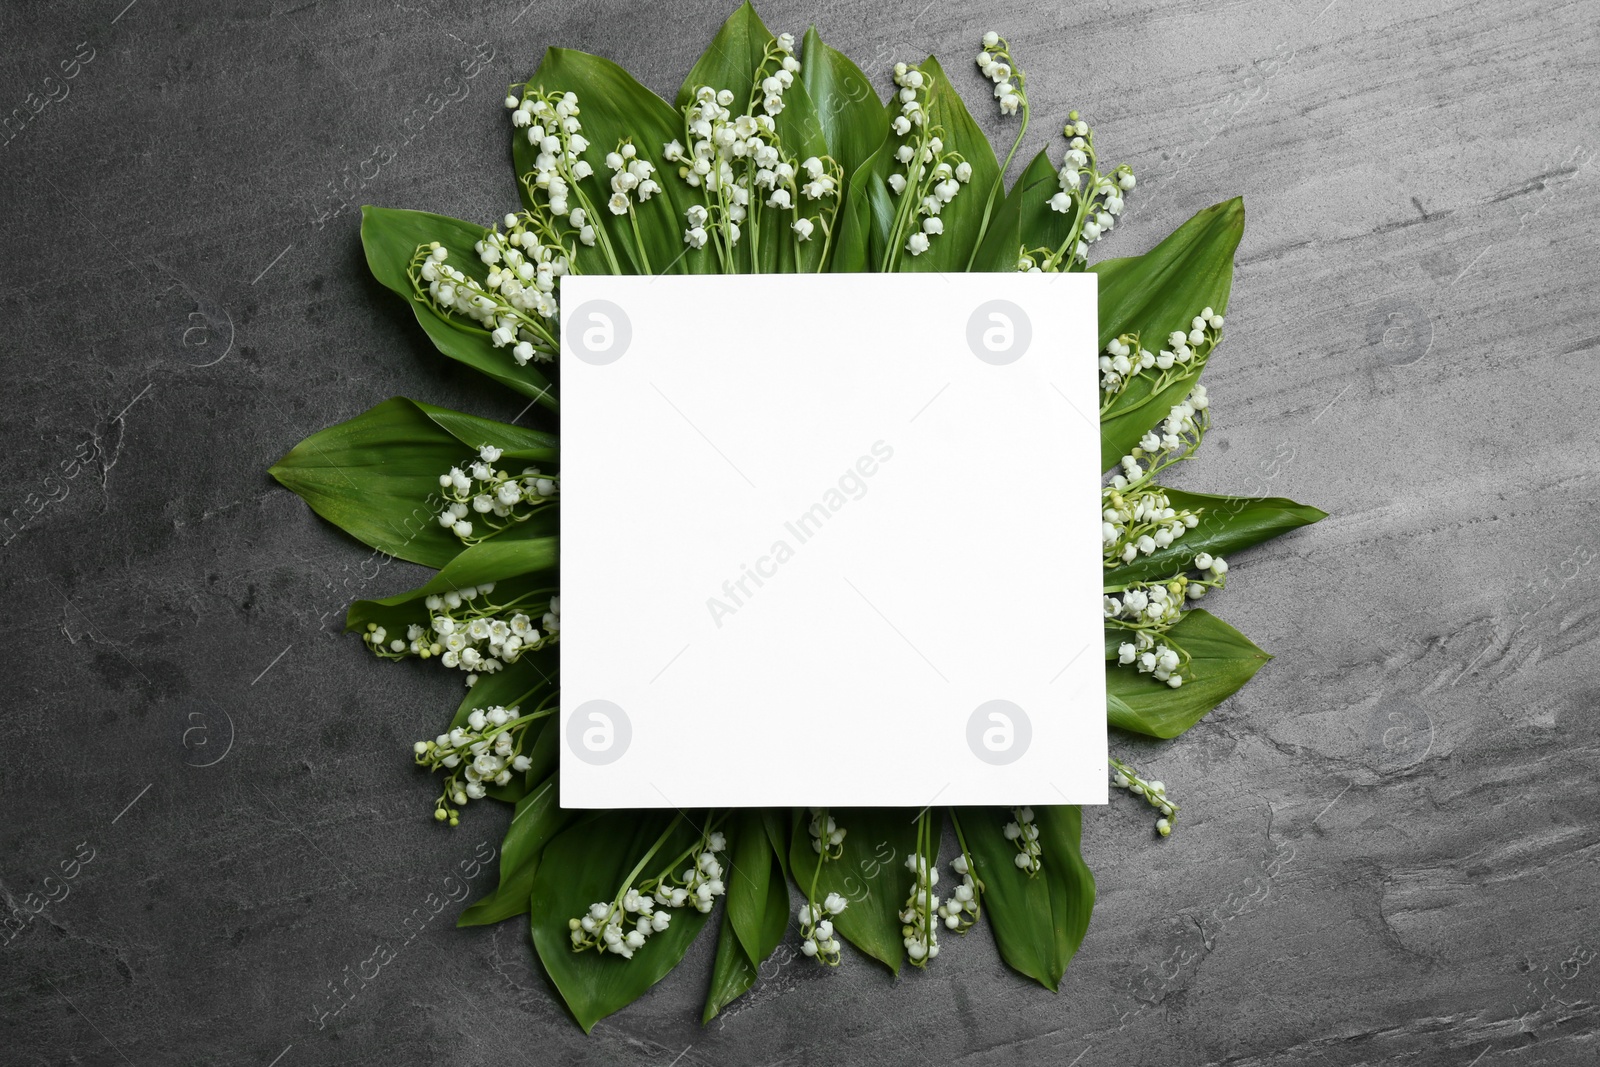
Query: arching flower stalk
[(1124, 776), (817, 937), (469, 632)]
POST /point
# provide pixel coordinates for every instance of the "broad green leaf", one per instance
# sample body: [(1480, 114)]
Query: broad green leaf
[(1023, 219), (391, 239), (845, 103), (517, 568), (963, 217), (730, 60), (1068, 878), (1227, 524), (753, 875), (586, 863), (1223, 659), (871, 875), (614, 107), (1155, 294), (1016, 907), (862, 225), (756, 912), (376, 476), (1038, 922), (538, 818), (732, 971)]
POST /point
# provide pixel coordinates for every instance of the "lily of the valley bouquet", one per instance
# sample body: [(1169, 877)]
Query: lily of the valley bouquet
[(776, 157)]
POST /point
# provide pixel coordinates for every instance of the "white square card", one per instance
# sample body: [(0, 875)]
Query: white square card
[(830, 540)]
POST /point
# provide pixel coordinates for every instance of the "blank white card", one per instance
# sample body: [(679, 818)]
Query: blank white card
[(830, 540)]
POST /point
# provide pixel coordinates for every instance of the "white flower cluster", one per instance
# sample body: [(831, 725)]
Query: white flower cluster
[(629, 175), (817, 938), (1176, 438), (960, 910), (1124, 777), (734, 157), (487, 751), (1094, 200), (919, 932), (467, 635), (1139, 521), (932, 176), (1148, 609), (1124, 359), (995, 62), (517, 298), (827, 836), (1024, 833), (552, 126), (622, 926), (1153, 604), (1149, 656), (492, 494)]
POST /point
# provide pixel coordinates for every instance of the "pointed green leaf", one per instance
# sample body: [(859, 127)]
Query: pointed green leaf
[(1223, 659), (517, 568), (1016, 906), (1023, 219), (588, 862), (391, 239), (1068, 878), (538, 818), (732, 972), (846, 105), (1227, 525), (1155, 294), (753, 872), (1038, 921), (376, 476)]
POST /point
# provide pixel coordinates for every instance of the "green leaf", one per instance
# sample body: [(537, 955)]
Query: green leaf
[(1155, 294), (516, 568), (756, 913), (1222, 660), (539, 817), (871, 875), (757, 900), (862, 225), (1068, 878), (391, 238), (614, 107), (732, 971), (376, 476), (1017, 907), (1038, 922), (845, 103), (1023, 219), (588, 862), (1227, 525), (963, 217)]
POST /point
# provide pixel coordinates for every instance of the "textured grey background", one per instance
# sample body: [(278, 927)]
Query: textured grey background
[(1388, 852)]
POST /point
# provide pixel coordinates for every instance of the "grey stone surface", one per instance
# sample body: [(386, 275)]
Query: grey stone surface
[(1388, 852)]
